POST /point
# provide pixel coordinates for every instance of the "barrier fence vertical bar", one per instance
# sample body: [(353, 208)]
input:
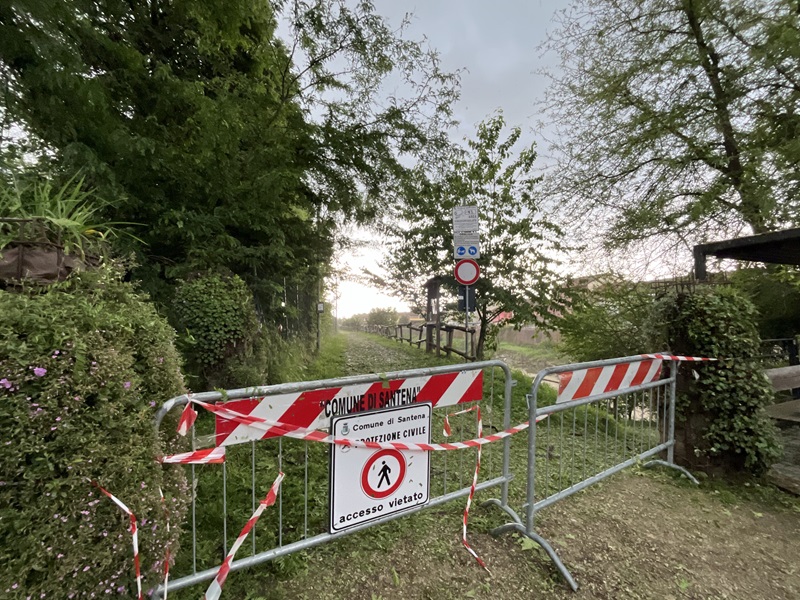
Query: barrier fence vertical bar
[(585, 436), (305, 493), (560, 451), (280, 493), (529, 508), (224, 508), (490, 457), (506, 424), (253, 488), (194, 508), (673, 386), (547, 459), (461, 454), (572, 459)]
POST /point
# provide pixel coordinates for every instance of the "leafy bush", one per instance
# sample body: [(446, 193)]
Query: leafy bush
[(82, 367), (721, 413), (223, 343)]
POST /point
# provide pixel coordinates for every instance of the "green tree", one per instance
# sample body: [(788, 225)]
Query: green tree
[(613, 319), (676, 118), (234, 148), (518, 240), (382, 317)]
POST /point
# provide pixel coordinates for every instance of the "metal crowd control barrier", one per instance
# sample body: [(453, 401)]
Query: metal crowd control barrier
[(224, 496), (608, 415)]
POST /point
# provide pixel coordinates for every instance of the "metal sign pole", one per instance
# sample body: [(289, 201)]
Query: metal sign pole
[(466, 322)]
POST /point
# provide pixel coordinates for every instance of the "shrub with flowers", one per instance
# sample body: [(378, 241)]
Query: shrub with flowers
[(82, 367)]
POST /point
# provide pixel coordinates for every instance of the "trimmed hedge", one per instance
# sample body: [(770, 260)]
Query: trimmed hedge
[(83, 364)]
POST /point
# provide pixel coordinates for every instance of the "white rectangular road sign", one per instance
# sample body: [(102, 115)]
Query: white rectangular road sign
[(369, 484), (465, 218), (466, 244)]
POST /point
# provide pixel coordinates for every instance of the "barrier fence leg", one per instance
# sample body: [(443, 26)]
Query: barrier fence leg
[(527, 529), (670, 462), (502, 503)]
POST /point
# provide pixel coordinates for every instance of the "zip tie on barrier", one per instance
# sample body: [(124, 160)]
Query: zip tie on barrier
[(465, 518), (134, 534), (187, 419), (197, 457), (315, 435), (215, 589), (166, 550), (678, 357)]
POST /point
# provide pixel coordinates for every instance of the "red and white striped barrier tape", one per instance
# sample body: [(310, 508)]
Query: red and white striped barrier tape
[(215, 589), (678, 357), (134, 534), (446, 425), (188, 417), (196, 457), (465, 517), (314, 435)]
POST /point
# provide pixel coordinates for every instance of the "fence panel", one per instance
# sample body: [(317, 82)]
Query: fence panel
[(608, 415), (223, 496)]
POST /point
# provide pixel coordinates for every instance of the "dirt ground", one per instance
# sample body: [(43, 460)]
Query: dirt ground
[(637, 535)]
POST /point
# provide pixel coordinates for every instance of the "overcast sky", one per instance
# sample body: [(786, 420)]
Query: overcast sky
[(495, 43)]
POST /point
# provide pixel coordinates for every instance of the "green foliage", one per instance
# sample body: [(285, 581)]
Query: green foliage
[(82, 367), (236, 148), (223, 342), (68, 216), (675, 118), (382, 316), (518, 240), (723, 410), (613, 319), (775, 298)]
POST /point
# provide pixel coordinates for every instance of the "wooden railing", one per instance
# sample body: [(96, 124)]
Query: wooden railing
[(426, 335)]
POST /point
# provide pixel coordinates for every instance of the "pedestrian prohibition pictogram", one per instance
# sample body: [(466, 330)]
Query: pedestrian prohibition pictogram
[(368, 484), (384, 472)]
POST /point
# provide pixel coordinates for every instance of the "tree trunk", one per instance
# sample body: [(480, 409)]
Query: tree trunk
[(750, 208)]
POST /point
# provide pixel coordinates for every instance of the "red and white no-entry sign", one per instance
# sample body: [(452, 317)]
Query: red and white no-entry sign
[(467, 271)]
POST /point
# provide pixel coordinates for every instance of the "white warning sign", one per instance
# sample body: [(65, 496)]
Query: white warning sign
[(368, 484)]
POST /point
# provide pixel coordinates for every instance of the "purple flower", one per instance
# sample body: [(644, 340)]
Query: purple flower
[(39, 371), (5, 383), (127, 385)]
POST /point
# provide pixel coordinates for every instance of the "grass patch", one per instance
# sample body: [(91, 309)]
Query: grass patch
[(546, 351)]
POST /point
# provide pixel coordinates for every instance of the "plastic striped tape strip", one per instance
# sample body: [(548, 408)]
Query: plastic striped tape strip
[(584, 383), (313, 409)]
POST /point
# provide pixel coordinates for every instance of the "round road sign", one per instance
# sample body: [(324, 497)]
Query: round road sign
[(467, 271)]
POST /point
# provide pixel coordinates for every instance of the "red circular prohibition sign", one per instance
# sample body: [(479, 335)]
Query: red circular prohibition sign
[(379, 494), (467, 271)]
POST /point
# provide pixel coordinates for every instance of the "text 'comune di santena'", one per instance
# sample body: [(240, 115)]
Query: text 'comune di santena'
[(370, 401)]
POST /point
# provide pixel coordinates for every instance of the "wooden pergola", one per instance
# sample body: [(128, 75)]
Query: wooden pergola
[(779, 247)]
